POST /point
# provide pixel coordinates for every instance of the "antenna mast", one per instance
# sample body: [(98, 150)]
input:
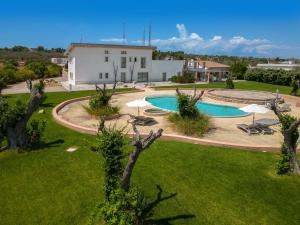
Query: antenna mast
[(124, 36), (150, 34), (144, 36)]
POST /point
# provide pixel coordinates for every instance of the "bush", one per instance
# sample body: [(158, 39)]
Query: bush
[(229, 83), (187, 107), (8, 75), (2, 84), (38, 67), (238, 69), (124, 208), (295, 87), (198, 126), (105, 111), (283, 165), (36, 130), (270, 76), (187, 77), (53, 71), (25, 74)]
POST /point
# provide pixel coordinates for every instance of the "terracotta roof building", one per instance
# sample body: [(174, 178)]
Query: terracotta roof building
[(208, 70)]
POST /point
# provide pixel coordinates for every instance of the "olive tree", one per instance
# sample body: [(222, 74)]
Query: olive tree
[(289, 130)]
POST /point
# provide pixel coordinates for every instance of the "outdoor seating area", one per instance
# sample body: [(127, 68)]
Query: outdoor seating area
[(255, 129)]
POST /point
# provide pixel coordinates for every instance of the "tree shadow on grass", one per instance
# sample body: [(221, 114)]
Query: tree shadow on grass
[(50, 144), (148, 211)]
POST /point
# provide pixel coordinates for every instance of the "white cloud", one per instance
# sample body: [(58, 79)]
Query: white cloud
[(114, 40), (194, 43)]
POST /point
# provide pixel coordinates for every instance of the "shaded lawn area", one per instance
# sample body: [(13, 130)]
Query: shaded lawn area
[(205, 185), (246, 85)]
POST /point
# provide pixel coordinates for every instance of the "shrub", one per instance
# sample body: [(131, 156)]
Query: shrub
[(198, 126), (271, 76), (53, 71), (186, 77), (110, 145), (295, 87), (99, 100), (2, 84), (39, 68), (36, 130), (238, 69), (25, 74), (187, 107), (283, 165), (105, 111), (124, 208), (229, 83), (8, 74)]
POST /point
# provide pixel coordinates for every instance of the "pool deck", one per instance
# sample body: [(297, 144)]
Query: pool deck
[(223, 133)]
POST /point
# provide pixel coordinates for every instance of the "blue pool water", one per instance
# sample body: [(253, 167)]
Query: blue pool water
[(170, 103)]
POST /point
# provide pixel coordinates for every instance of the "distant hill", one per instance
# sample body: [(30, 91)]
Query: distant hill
[(21, 53)]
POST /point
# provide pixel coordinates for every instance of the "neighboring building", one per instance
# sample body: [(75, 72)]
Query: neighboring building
[(103, 63), (208, 70), (289, 65), (59, 61)]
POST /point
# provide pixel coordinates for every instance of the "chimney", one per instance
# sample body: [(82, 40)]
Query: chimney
[(204, 64)]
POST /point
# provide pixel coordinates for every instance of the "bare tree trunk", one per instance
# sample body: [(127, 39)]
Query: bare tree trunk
[(140, 146)]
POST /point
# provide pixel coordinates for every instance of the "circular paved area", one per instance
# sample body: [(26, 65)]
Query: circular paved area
[(258, 97), (224, 133)]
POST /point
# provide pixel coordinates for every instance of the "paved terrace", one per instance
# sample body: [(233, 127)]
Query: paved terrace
[(223, 129)]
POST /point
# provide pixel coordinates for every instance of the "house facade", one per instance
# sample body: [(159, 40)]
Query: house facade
[(102, 63), (208, 70)]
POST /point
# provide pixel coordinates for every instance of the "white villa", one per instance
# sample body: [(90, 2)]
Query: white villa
[(103, 63), (289, 65)]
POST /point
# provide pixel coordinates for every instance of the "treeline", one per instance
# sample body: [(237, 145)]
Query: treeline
[(22, 53), (271, 76), (11, 73), (228, 60)]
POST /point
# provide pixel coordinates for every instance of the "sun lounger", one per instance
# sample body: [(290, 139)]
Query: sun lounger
[(266, 122), (266, 130), (141, 120), (248, 129)]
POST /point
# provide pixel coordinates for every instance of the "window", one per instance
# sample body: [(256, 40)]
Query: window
[(130, 59), (100, 76), (106, 75), (123, 62), (106, 59), (106, 52), (143, 77), (135, 59), (123, 52), (143, 62), (71, 75), (123, 77)]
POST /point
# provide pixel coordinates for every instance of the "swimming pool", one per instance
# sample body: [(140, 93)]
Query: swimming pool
[(169, 102)]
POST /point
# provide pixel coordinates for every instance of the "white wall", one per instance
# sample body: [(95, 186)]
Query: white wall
[(170, 67), (90, 61)]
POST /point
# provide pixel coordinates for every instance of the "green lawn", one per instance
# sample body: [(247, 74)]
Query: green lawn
[(212, 185), (247, 85)]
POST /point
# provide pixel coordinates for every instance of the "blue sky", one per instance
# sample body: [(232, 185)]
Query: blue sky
[(234, 27)]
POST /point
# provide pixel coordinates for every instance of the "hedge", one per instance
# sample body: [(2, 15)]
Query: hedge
[(271, 76)]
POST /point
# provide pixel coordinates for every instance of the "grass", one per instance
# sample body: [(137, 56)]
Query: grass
[(245, 85), (210, 185)]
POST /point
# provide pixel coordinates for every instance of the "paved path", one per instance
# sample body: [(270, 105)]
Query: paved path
[(22, 88)]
